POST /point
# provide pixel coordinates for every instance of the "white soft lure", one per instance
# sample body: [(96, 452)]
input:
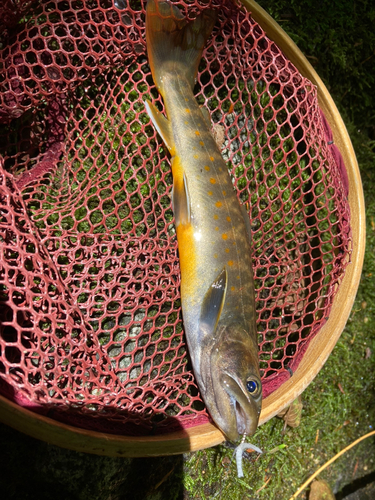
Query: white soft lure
[(239, 452)]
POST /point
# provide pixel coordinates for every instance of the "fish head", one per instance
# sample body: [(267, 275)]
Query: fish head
[(231, 381)]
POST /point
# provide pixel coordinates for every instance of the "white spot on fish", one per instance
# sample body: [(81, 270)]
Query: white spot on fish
[(198, 236)]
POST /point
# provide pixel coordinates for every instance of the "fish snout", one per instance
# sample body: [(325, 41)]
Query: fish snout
[(246, 408)]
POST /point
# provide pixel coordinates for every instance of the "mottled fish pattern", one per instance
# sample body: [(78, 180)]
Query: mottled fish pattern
[(213, 230)]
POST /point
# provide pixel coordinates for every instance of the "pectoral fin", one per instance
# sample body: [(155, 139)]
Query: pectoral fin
[(161, 123), (213, 303)]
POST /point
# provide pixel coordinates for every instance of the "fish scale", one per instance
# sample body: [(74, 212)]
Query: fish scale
[(217, 286), (213, 204), (215, 213)]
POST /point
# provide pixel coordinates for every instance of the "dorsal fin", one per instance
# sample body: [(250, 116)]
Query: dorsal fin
[(206, 116), (246, 219)]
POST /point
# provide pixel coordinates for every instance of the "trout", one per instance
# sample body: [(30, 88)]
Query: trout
[(213, 230)]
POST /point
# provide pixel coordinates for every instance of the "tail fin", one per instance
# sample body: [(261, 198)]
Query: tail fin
[(173, 43)]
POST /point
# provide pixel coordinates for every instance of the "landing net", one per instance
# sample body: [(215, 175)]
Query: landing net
[(91, 326)]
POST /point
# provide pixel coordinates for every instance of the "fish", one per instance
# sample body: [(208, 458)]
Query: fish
[(213, 229)]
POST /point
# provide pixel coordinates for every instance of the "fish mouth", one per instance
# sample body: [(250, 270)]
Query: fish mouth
[(245, 408), (240, 418)]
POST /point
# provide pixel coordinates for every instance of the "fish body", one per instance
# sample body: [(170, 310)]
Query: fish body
[(217, 286)]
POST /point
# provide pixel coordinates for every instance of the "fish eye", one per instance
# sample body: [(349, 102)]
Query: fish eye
[(253, 387)]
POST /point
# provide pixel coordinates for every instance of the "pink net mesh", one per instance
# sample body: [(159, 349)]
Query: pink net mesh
[(91, 327)]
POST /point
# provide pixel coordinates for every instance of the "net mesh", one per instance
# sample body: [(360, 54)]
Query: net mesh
[(91, 327)]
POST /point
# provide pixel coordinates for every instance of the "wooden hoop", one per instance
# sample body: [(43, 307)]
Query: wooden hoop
[(207, 435)]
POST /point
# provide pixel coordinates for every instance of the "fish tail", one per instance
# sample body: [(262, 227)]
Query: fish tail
[(173, 43)]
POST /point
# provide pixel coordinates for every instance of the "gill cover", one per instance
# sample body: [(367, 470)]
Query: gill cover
[(231, 383)]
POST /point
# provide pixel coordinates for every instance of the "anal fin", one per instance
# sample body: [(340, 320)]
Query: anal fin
[(161, 123)]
